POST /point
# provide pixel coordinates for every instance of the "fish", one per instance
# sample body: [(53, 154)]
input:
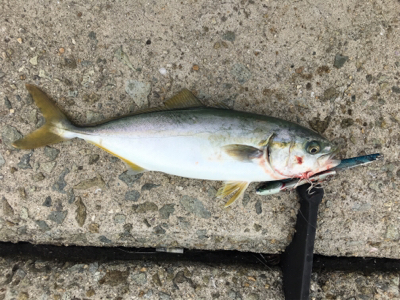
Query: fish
[(188, 139), (274, 187)]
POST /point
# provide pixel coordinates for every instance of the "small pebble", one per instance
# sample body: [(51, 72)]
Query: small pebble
[(138, 91), (93, 117), (24, 162), (7, 209), (61, 50), (340, 61), (34, 60), (195, 67), (139, 278), (92, 35), (104, 240), (119, 218), (10, 134), (229, 36), (164, 296), (128, 178), (48, 167), (93, 159), (159, 230), (245, 200), (195, 206), (166, 211), (60, 184), (346, 123), (253, 297), (47, 202), (241, 73), (258, 207), (2, 161), (123, 57), (217, 45), (89, 183), (145, 207), (80, 211), (58, 216), (42, 225), (392, 232), (38, 177), (94, 228), (330, 94), (149, 186), (132, 195), (24, 213), (69, 63), (72, 93)]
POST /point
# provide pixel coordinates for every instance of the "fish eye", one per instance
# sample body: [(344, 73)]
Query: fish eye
[(313, 147)]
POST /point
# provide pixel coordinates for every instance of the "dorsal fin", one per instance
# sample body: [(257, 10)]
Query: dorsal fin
[(184, 99), (221, 105)]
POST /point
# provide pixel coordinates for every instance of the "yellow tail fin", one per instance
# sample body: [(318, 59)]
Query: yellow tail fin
[(46, 134)]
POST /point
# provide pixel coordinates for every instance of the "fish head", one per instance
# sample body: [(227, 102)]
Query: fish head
[(301, 153)]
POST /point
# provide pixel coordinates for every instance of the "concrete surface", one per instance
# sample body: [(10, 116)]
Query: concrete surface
[(39, 279), (333, 66)]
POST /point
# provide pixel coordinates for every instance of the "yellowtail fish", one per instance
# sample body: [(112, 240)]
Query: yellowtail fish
[(186, 138)]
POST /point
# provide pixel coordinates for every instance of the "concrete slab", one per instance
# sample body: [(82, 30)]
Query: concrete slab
[(331, 66), (40, 279)]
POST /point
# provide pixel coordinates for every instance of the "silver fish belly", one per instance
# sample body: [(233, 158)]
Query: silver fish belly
[(187, 143)]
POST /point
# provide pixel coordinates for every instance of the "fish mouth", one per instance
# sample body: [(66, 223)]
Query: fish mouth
[(328, 159)]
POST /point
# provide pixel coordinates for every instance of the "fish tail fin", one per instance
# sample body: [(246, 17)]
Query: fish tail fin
[(51, 131)]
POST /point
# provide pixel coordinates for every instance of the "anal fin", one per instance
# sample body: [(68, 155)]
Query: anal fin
[(234, 188), (137, 169)]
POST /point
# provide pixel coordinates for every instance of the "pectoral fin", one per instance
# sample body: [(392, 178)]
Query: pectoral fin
[(242, 152), (234, 188)]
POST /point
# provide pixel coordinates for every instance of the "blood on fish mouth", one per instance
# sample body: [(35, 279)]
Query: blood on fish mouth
[(306, 175)]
